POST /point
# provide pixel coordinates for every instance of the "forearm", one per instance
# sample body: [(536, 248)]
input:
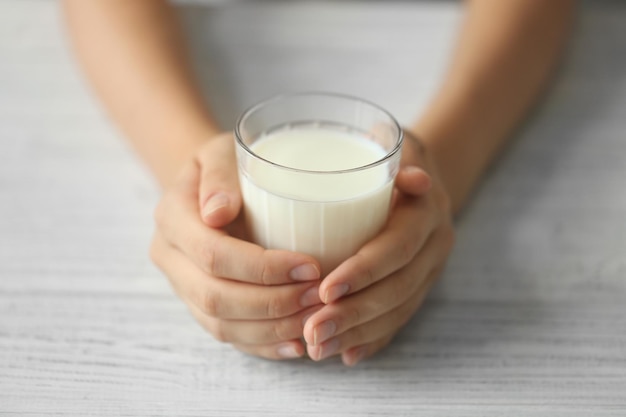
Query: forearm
[(134, 55), (504, 57)]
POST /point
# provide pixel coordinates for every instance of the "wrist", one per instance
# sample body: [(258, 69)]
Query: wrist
[(180, 146), (440, 148)]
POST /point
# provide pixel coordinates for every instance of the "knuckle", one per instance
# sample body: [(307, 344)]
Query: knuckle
[(264, 272), (408, 248), (211, 304), (273, 307), (209, 256), (280, 331), (352, 316), (218, 330), (364, 268)]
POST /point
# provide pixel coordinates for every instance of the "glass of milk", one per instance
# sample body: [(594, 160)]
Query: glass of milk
[(316, 172)]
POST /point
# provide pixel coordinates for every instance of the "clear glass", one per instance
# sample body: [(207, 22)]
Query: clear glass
[(328, 210)]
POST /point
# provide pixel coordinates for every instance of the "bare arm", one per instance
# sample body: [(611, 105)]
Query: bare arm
[(505, 55), (134, 56)]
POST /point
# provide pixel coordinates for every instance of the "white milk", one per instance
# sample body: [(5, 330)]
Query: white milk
[(326, 215)]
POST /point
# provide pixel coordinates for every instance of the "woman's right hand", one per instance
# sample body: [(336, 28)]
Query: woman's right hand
[(253, 298)]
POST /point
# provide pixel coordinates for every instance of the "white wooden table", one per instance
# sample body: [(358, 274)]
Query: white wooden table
[(528, 320)]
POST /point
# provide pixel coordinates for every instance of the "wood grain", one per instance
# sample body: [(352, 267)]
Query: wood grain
[(529, 318)]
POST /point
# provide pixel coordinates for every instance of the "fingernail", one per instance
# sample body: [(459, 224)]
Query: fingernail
[(424, 181), (310, 297), (214, 203), (412, 169), (336, 292), (356, 356), (287, 351), (324, 331), (329, 348), (306, 272)]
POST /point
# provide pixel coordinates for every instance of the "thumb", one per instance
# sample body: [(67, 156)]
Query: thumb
[(219, 195), (220, 208), (413, 180)]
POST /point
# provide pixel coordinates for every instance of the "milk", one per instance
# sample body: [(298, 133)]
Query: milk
[(325, 214)]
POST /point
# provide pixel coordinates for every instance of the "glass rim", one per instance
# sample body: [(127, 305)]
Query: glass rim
[(279, 97)]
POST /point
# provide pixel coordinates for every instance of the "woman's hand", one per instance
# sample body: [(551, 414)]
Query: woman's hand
[(371, 295), (253, 298)]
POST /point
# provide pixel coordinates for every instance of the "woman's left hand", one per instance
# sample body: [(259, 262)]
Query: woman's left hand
[(371, 295)]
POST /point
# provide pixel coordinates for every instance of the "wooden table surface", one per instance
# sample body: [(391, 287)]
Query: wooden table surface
[(528, 320)]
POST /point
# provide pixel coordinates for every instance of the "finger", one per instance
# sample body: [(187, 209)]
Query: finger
[(280, 351), (219, 195), (404, 235), (228, 299), (413, 180), (413, 150), (379, 328), (378, 299), (353, 356), (219, 254), (254, 332)]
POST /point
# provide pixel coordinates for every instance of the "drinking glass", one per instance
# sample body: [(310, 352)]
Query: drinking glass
[(316, 172)]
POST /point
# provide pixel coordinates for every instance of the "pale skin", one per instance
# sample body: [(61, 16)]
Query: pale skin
[(264, 302)]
